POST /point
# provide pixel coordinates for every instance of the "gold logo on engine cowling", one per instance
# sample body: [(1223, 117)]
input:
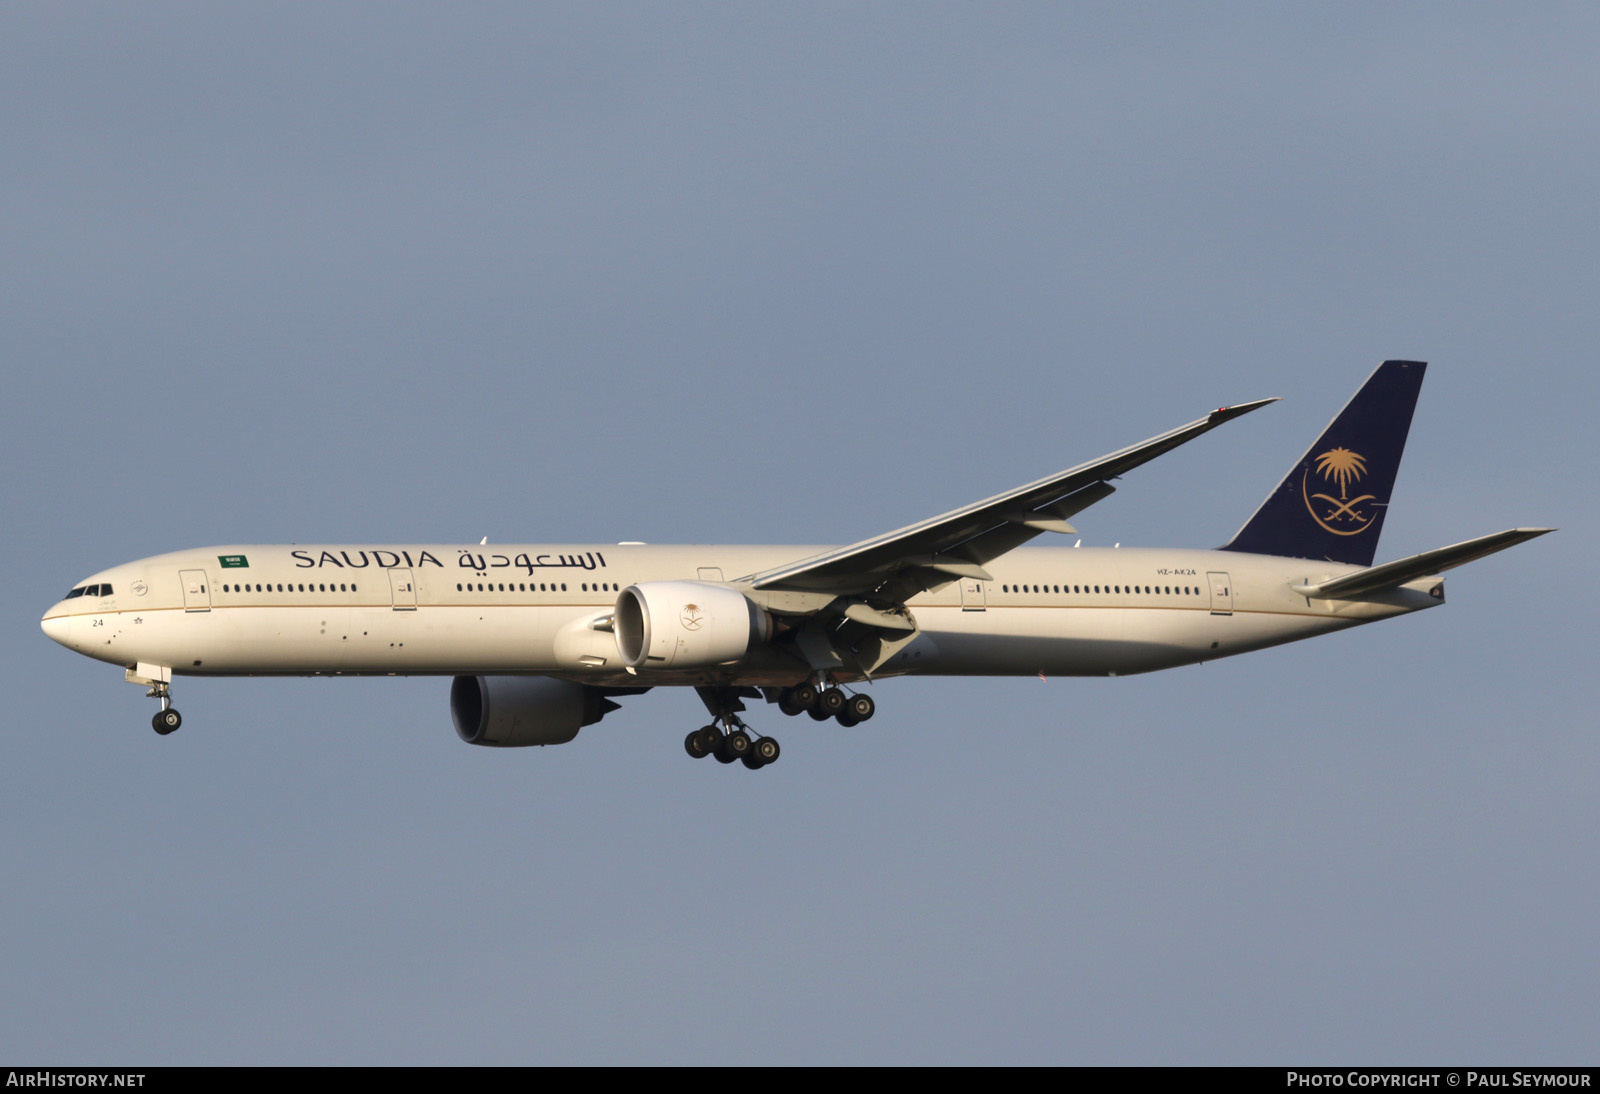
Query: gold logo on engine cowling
[(1342, 515), (691, 617)]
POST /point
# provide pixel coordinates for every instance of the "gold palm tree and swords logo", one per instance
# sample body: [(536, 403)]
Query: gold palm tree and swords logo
[(1342, 515)]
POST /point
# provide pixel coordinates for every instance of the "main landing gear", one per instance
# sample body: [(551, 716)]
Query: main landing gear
[(167, 718), (735, 744), (729, 739), (825, 703)]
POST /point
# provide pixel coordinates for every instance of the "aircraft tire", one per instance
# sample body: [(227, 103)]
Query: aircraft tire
[(862, 707), (165, 721), (765, 750), (847, 717), (749, 760), (818, 714), (831, 702), (694, 744)]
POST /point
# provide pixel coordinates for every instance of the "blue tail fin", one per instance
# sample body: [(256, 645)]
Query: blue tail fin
[(1332, 503)]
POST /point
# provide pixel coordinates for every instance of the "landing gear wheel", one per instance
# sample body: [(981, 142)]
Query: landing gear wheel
[(765, 750), (831, 702), (735, 745), (818, 714), (795, 700), (165, 721), (703, 742), (751, 762), (847, 717), (861, 706), (700, 744)]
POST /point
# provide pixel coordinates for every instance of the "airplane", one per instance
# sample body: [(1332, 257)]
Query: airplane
[(541, 639)]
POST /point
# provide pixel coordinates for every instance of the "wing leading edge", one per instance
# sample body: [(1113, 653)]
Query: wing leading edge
[(896, 565)]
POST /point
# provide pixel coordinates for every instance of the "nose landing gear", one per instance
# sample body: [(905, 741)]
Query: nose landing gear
[(167, 718)]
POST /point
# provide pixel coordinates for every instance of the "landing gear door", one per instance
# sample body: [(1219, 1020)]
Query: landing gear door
[(1221, 594), (972, 595), (196, 590), (403, 587)]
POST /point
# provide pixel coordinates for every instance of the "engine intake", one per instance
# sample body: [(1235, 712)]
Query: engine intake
[(686, 625)]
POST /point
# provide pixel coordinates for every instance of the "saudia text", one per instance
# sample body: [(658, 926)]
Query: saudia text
[(465, 560)]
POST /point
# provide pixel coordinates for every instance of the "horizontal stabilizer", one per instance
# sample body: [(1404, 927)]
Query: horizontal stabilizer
[(1393, 574)]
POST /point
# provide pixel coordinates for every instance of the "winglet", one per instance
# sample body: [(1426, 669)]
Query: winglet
[(1228, 413)]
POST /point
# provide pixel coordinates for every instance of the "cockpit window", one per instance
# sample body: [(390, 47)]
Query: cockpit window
[(79, 591), (105, 590)]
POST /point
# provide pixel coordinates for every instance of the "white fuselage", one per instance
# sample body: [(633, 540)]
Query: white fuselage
[(489, 610)]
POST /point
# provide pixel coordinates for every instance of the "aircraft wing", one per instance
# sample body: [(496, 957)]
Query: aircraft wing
[(1394, 574), (897, 565)]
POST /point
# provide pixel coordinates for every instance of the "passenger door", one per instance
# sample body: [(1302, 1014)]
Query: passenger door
[(1221, 594), (972, 595), (196, 590), (403, 588)]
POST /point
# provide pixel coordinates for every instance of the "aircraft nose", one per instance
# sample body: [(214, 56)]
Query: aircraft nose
[(55, 627)]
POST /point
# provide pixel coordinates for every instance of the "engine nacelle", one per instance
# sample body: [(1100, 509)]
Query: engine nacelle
[(686, 625), (515, 711)]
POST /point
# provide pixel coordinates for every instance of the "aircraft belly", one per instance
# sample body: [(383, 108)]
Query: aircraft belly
[(1023, 641), (1099, 641), (358, 640), (456, 640)]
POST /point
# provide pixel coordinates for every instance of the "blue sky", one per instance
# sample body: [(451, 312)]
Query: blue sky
[(704, 273)]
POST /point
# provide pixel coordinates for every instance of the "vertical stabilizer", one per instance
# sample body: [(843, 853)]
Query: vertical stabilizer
[(1331, 505)]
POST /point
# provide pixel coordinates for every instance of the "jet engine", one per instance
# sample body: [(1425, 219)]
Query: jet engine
[(686, 625), (515, 711)]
